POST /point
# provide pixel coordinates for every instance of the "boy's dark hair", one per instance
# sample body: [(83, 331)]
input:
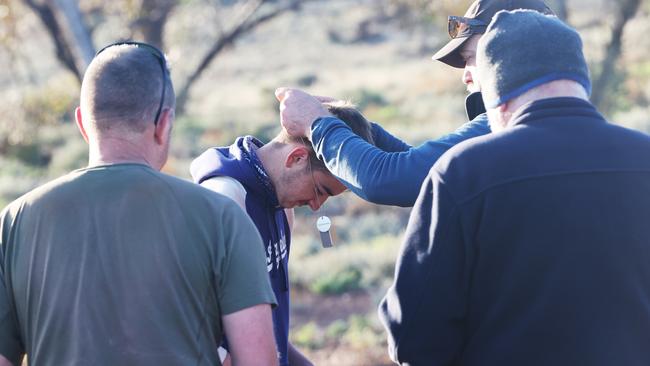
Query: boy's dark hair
[(346, 112)]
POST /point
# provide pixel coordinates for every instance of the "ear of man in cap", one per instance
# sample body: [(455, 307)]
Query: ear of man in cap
[(524, 49), (483, 11)]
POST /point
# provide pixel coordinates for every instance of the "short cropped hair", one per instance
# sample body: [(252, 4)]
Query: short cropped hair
[(346, 112), (122, 89)]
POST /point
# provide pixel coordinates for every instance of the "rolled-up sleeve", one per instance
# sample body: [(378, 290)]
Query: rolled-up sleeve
[(243, 280)]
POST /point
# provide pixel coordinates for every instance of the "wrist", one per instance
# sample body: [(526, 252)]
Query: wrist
[(311, 127), (314, 124)]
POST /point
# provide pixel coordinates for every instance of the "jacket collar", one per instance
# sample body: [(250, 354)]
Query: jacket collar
[(565, 107), (246, 147)]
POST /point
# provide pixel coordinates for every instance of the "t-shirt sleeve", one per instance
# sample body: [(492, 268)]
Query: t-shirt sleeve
[(244, 280), (229, 187), (10, 344)]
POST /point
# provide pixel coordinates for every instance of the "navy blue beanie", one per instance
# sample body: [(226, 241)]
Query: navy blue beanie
[(523, 49)]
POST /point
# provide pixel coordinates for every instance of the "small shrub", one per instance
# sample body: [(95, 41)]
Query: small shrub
[(387, 114), (308, 336), (16, 179), (338, 282), (73, 155), (336, 330), (363, 333), (306, 80), (359, 265), (187, 138), (52, 104), (359, 331), (30, 153), (364, 98)]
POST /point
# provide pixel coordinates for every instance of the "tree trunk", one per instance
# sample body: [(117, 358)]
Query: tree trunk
[(150, 24), (76, 51), (79, 33), (561, 10), (46, 13), (603, 82)]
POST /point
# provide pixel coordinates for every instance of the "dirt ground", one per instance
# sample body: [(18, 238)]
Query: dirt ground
[(326, 309)]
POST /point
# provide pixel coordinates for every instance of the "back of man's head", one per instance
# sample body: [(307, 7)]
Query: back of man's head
[(522, 50), (122, 89)]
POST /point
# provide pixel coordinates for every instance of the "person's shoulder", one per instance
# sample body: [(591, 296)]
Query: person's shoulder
[(469, 153), (56, 190), (46, 189), (629, 133), (199, 199), (188, 189), (627, 143), (202, 206), (470, 166), (229, 187)]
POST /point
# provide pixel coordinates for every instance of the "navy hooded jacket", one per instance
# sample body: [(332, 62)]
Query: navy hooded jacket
[(239, 161)]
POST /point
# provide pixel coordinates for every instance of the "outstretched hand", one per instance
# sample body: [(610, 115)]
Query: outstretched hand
[(299, 109)]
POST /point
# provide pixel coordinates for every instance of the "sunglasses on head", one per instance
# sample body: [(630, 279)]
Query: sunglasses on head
[(464, 27), (161, 60)]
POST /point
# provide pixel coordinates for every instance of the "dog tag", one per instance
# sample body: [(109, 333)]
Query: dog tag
[(324, 224)]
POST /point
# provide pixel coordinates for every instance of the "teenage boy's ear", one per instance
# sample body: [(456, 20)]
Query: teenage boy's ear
[(298, 157)]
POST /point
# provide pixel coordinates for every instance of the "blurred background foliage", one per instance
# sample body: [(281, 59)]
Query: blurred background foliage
[(227, 57)]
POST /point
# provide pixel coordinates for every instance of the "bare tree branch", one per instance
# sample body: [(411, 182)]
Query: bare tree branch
[(78, 31), (602, 83), (149, 24), (152, 19), (46, 13), (561, 10), (242, 27)]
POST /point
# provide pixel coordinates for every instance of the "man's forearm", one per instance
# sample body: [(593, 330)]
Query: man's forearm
[(387, 142), (378, 176)]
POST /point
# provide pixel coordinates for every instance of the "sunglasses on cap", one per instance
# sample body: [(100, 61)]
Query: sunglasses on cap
[(464, 27), (161, 60)]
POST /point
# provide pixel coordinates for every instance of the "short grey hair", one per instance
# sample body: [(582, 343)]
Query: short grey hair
[(122, 88)]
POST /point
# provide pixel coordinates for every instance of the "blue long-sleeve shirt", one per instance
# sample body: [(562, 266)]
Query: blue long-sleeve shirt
[(391, 172)]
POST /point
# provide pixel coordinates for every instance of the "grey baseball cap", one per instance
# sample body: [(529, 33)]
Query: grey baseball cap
[(476, 19)]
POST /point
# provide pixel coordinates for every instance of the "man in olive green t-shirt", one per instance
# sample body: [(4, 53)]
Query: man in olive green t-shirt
[(119, 264)]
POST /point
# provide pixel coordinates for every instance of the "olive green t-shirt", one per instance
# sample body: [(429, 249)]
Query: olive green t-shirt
[(123, 265)]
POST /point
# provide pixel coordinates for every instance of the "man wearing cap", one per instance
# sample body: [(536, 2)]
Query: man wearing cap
[(529, 246), (392, 172)]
